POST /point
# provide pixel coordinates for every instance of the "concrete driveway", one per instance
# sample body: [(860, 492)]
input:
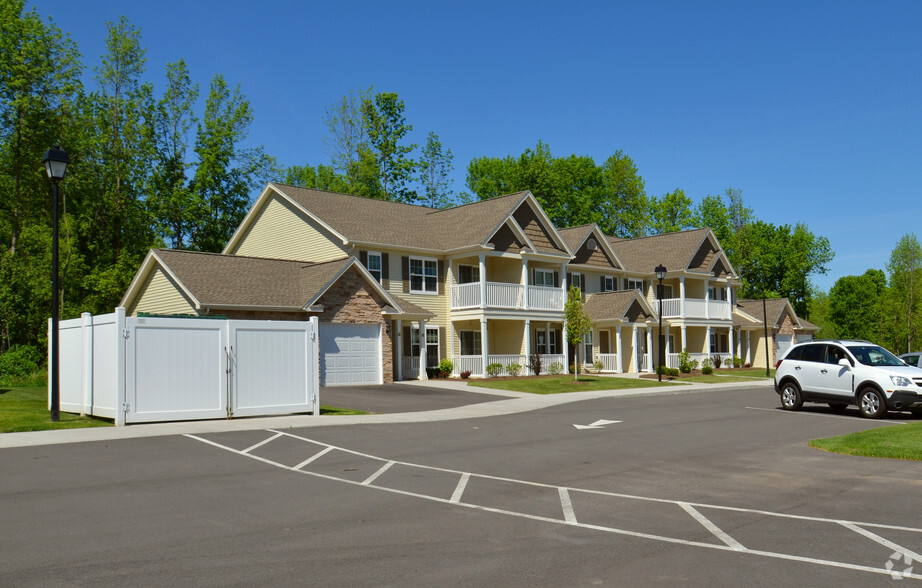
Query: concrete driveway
[(402, 397)]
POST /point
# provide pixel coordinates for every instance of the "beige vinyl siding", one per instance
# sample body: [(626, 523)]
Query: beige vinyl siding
[(506, 337), (435, 303), (281, 231), (160, 295)]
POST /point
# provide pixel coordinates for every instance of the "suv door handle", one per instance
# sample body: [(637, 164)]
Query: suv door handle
[(823, 371), (797, 367)]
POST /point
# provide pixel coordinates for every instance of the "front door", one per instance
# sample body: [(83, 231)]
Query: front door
[(604, 345)]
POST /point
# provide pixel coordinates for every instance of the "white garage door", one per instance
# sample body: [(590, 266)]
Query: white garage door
[(350, 354)]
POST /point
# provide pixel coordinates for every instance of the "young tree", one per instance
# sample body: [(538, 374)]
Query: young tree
[(905, 268), (577, 324), (434, 167), (387, 129), (855, 305), (348, 134)]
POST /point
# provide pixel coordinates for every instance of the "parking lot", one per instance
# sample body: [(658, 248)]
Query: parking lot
[(714, 487)]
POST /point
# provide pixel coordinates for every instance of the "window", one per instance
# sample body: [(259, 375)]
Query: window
[(546, 342), (717, 293), (424, 275), (576, 279), (719, 343), (374, 265), (470, 342), (633, 284), (544, 278), (587, 342), (432, 345), (608, 284), (468, 274)]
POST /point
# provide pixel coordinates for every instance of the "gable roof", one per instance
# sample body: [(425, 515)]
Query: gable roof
[(367, 221), (214, 280), (774, 307), (683, 251), (576, 238), (624, 305)]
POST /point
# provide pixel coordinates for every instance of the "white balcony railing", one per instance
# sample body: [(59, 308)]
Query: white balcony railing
[(474, 363), (507, 295), (694, 308), (409, 368)]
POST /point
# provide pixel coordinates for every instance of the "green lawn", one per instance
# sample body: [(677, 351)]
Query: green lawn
[(26, 409), (332, 410), (558, 384), (896, 442)]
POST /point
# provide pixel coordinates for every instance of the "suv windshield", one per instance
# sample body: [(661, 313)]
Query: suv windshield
[(874, 355)]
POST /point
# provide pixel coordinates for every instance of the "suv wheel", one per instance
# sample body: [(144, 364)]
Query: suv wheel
[(790, 396), (871, 403)]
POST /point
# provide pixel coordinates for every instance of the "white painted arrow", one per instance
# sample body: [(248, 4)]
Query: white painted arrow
[(596, 425)]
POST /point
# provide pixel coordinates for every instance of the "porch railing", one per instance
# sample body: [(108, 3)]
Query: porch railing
[(694, 308), (672, 359), (409, 368), (506, 295), (609, 361), (474, 363)]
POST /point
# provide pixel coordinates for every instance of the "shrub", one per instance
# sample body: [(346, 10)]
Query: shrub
[(465, 374), (20, 362), (737, 362), (717, 361), (674, 372), (555, 368), (432, 372), (513, 369), (534, 364), (707, 370), (494, 369), (706, 363), (599, 366), (747, 365), (446, 367), (686, 363)]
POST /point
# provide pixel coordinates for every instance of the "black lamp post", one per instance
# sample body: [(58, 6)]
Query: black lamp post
[(660, 272), (55, 161)]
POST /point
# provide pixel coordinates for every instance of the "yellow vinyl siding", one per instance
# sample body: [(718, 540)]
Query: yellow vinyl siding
[(161, 296), (281, 231)]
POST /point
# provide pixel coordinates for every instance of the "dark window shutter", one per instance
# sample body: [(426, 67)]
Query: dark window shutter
[(569, 280), (556, 280), (406, 342), (601, 283), (443, 345), (405, 273), (385, 267), (363, 257), (440, 273)]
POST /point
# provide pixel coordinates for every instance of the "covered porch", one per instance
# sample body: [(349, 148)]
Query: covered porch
[(488, 345)]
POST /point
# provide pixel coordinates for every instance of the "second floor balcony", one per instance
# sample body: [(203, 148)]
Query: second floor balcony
[(698, 308), (506, 296)]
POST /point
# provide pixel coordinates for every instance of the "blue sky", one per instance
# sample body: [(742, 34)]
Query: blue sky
[(812, 109)]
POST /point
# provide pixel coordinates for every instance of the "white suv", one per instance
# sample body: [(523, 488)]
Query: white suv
[(848, 372)]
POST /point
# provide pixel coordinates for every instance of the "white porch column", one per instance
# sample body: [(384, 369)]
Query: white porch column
[(422, 351), (451, 343), (484, 351), (634, 348), (749, 347), (525, 301), (650, 368), (668, 347), (684, 338), (527, 343), (707, 299), (732, 350), (730, 301), (682, 302), (483, 280), (620, 366), (707, 342), (398, 340)]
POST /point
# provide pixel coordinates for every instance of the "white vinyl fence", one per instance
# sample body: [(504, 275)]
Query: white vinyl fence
[(136, 369)]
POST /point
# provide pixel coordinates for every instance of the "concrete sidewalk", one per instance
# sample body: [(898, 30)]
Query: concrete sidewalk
[(515, 402)]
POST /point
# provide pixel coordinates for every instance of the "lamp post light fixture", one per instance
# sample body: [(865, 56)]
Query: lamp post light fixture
[(660, 272), (55, 161)]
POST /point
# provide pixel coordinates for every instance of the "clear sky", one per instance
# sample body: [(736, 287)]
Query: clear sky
[(813, 109)]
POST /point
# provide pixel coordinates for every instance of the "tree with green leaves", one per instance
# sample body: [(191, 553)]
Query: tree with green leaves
[(576, 322), (905, 269), (434, 167), (387, 130), (347, 136), (225, 172), (856, 303), (169, 198), (624, 207), (672, 213)]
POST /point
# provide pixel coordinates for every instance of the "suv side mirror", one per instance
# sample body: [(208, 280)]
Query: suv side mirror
[(845, 363)]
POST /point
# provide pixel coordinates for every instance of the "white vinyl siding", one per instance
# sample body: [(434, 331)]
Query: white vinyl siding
[(281, 231)]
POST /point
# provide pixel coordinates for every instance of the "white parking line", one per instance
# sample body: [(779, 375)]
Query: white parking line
[(569, 517), (819, 414)]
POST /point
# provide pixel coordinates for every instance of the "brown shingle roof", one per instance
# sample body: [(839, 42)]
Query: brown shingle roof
[(366, 220), (610, 305), (574, 236), (773, 306), (673, 250)]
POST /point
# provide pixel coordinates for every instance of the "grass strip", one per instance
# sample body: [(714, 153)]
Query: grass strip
[(26, 409), (894, 442), (562, 384)]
